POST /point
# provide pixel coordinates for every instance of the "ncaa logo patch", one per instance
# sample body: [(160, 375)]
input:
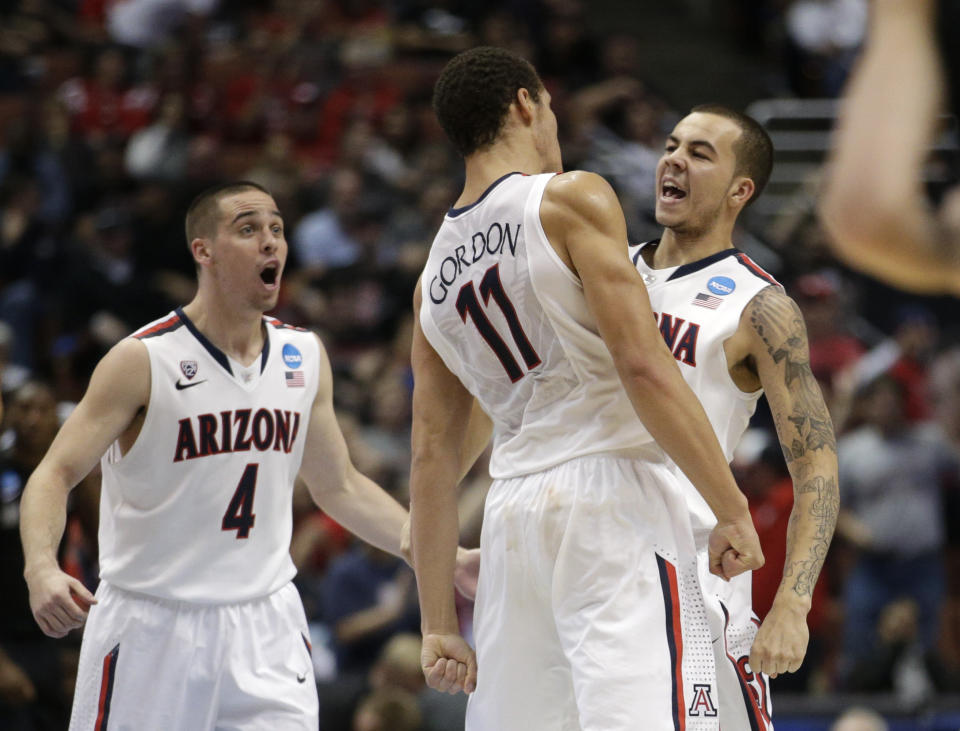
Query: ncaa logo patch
[(721, 285), (188, 368), (291, 356)]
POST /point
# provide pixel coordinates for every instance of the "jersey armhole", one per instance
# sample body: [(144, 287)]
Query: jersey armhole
[(543, 240), (114, 453)]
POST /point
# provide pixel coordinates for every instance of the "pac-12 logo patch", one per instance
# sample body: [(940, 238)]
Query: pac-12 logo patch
[(721, 285), (189, 368), (291, 356)]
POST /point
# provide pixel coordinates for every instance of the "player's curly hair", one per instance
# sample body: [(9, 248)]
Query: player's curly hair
[(474, 92), (754, 148)]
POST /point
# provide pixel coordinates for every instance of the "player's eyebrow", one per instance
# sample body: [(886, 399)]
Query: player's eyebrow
[(244, 214), (693, 143)]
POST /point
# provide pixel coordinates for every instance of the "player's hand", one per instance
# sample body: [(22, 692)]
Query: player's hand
[(58, 601), (466, 574), (781, 641), (16, 688), (449, 663), (734, 547)]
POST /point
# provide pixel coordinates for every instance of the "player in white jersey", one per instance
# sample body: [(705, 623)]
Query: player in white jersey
[(588, 612), (736, 334), (203, 418)]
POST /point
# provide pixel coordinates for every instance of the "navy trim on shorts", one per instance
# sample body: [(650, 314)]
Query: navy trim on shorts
[(106, 689)]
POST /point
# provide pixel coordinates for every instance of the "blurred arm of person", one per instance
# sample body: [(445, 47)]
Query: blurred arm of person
[(873, 204), (771, 351)]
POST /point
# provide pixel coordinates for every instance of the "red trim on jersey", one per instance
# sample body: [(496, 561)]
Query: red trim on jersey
[(284, 326), (755, 268), (167, 324)]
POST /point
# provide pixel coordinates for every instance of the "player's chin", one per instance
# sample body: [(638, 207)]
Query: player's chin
[(665, 216)]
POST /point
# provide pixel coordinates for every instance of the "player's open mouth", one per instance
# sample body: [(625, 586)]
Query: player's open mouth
[(270, 275), (670, 191)]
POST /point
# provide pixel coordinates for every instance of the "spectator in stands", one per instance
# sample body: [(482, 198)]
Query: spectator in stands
[(905, 355), (367, 596), (104, 103), (32, 693), (387, 710), (891, 475), (333, 236), (823, 37)]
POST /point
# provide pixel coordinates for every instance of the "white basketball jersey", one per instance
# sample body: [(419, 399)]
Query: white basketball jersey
[(199, 509), (698, 307), (509, 318)]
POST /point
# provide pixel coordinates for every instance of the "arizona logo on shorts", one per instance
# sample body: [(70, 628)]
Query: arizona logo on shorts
[(702, 704), (189, 368)]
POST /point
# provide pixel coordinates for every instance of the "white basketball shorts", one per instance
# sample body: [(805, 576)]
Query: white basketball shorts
[(743, 696), (148, 664), (589, 614)]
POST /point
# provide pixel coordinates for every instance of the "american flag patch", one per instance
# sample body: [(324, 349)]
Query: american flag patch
[(707, 300), (294, 379)]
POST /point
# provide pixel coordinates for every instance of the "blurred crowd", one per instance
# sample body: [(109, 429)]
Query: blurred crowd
[(113, 115)]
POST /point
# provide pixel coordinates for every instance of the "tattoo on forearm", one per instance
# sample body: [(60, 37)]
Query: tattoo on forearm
[(823, 511), (806, 437), (778, 322)]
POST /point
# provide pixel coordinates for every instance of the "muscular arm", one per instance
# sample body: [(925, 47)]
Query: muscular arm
[(118, 390), (778, 346), (439, 442), (583, 220), (873, 204), (350, 498)]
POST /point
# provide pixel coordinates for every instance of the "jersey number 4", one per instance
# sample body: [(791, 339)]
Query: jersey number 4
[(239, 515), (469, 304)]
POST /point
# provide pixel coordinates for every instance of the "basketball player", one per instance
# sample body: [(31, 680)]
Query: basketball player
[(736, 334), (588, 614), (204, 419), (874, 204)]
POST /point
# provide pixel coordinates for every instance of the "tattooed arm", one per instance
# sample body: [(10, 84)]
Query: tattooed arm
[(778, 352)]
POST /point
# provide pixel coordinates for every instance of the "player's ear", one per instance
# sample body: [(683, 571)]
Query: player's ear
[(200, 248), (525, 105), (741, 191)]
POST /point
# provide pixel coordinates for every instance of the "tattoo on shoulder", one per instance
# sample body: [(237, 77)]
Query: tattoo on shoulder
[(778, 322)]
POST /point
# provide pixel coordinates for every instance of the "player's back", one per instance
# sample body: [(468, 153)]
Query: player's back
[(509, 318)]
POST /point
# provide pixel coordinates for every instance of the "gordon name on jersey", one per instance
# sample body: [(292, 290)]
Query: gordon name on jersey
[(489, 244)]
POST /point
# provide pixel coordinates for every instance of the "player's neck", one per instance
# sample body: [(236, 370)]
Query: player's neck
[(678, 247), (238, 332), (503, 158)]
